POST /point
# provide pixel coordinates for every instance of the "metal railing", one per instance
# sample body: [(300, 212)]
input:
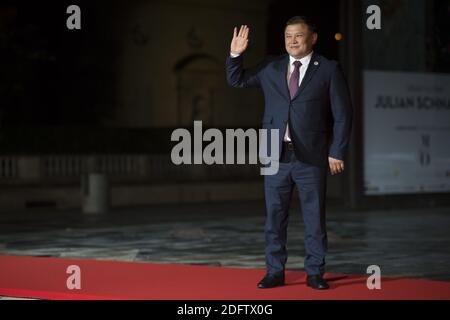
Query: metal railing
[(154, 168)]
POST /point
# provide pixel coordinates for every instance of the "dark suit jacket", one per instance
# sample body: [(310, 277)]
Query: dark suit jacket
[(319, 115)]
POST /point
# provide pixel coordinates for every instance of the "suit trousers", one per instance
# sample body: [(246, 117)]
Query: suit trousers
[(278, 188)]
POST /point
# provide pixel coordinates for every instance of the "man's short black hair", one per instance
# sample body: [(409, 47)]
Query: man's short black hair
[(302, 19)]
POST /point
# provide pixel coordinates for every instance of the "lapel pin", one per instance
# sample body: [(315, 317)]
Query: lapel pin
[(316, 63)]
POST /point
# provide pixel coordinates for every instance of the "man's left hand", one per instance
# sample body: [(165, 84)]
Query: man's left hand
[(336, 165)]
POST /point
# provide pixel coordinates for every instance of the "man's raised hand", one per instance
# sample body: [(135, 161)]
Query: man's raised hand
[(240, 40)]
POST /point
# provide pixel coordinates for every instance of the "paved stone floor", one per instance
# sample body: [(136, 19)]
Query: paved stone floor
[(407, 243)]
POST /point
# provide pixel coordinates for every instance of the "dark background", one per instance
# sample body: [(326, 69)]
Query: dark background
[(57, 86)]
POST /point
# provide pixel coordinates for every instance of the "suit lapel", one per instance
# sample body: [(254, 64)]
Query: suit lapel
[(312, 67), (282, 67)]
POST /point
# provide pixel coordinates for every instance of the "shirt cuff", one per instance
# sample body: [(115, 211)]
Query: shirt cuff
[(234, 55)]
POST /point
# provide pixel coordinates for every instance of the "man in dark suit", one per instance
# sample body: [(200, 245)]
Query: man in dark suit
[(307, 100)]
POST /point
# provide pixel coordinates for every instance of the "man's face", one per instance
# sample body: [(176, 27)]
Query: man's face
[(299, 40)]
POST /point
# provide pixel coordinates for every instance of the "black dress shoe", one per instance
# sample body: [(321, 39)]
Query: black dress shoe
[(271, 281), (317, 282)]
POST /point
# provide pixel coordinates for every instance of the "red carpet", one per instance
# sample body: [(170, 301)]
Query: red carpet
[(45, 278)]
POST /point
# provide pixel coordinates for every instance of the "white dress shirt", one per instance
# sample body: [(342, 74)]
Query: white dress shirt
[(305, 62)]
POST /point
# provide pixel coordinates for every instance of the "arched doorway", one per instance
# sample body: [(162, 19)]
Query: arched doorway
[(198, 78)]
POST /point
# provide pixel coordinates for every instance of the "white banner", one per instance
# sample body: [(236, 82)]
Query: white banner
[(406, 132)]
